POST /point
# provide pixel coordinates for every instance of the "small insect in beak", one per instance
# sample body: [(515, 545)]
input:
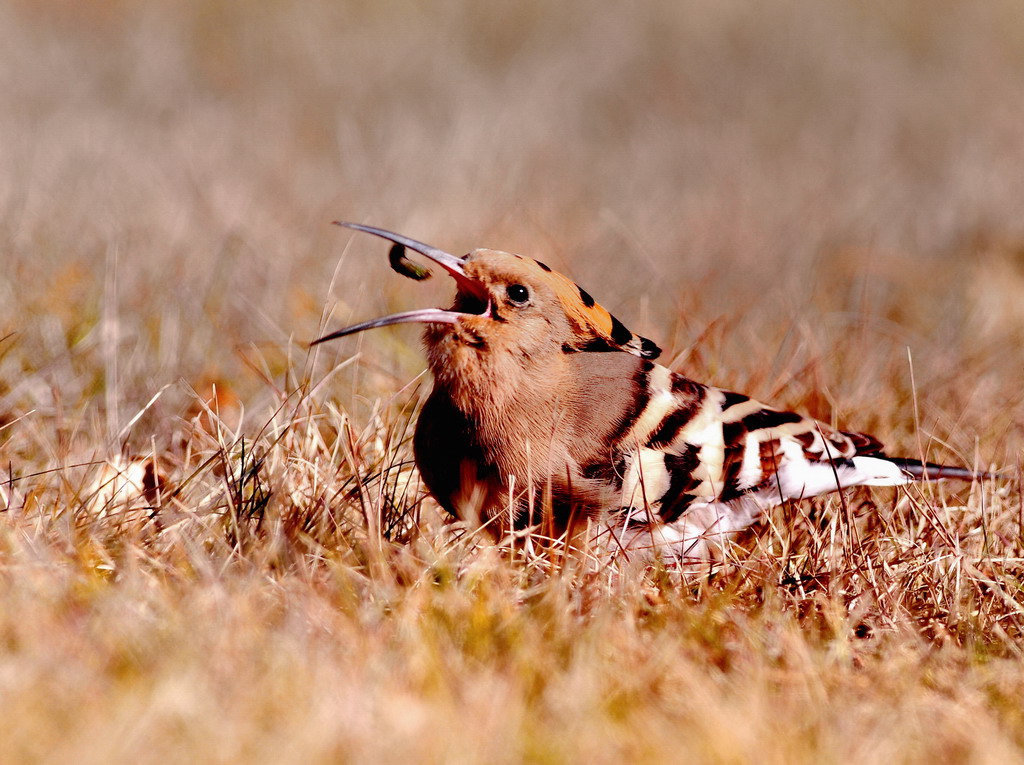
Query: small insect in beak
[(400, 263)]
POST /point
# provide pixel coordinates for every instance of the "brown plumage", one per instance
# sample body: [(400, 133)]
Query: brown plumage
[(546, 407)]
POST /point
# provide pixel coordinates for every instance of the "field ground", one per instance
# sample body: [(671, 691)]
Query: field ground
[(213, 547)]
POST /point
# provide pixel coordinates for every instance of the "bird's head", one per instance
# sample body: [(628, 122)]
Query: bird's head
[(509, 311)]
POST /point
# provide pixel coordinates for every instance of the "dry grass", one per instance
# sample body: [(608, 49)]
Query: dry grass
[(819, 203)]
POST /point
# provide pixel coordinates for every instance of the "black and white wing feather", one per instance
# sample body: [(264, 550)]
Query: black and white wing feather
[(704, 461)]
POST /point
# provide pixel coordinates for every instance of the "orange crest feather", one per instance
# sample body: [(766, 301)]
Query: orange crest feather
[(596, 327)]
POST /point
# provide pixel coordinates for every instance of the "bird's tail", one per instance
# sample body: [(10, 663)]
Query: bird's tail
[(930, 471)]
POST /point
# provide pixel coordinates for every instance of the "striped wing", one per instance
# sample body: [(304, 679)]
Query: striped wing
[(693, 445)]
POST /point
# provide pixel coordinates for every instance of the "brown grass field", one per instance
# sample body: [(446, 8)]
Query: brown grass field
[(213, 545)]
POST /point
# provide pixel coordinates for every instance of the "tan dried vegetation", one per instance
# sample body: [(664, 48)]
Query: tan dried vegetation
[(213, 547)]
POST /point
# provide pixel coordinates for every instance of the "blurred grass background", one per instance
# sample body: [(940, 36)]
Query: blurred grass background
[(849, 172), (818, 203)]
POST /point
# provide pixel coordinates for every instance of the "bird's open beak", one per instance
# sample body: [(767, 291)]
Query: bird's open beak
[(453, 265)]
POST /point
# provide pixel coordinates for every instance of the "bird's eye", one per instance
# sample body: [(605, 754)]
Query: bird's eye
[(517, 293)]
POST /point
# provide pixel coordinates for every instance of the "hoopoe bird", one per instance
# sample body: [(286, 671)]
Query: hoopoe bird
[(546, 408)]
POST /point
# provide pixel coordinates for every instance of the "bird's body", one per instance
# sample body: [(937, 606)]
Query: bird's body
[(546, 409)]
